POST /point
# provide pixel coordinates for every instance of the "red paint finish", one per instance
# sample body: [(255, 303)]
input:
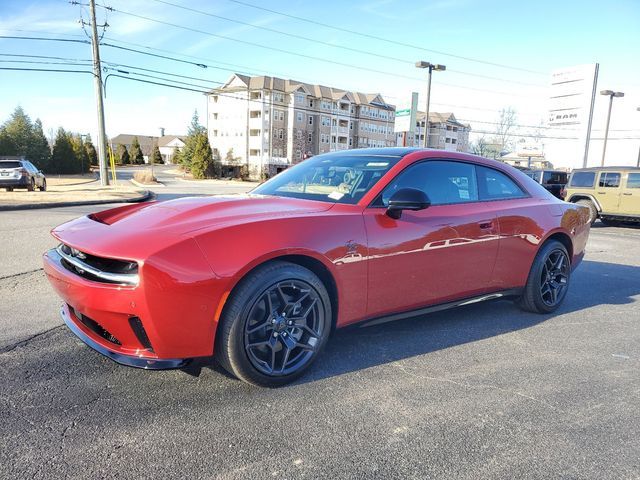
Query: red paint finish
[(192, 252)]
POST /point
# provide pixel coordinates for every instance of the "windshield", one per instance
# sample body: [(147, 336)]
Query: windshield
[(334, 177)]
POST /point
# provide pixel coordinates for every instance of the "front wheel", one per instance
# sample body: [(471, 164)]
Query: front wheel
[(548, 280), (43, 188), (274, 325)]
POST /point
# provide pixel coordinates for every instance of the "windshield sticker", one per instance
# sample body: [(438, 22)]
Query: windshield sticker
[(377, 164), (336, 195)]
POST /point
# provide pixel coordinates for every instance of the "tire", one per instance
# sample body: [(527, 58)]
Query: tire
[(593, 215), (43, 188), (32, 185), (273, 349), (547, 285), (9, 189)]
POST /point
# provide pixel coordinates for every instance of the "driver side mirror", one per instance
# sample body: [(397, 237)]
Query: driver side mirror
[(407, 199)]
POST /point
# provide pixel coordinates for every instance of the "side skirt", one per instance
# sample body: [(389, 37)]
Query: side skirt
[(513, 292)]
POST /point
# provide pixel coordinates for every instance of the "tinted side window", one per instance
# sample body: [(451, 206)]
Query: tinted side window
[(634, 180), (554, 178), (495, 185), (583, 179), (443, 181), (609, 180)]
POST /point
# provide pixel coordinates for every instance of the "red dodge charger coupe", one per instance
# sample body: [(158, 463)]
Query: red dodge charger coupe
[(260, 280)]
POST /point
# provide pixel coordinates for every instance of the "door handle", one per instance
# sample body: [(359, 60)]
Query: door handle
[(486, 225), (627, 193), (602, 193)]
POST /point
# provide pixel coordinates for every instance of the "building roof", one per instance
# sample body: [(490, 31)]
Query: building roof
[(167, 139), (264, 82), (447, 117)]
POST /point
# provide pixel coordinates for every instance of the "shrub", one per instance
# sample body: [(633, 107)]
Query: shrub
[(144, 177)]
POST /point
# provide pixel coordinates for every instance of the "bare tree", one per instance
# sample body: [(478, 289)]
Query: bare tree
[(484, 147), (505, 128)]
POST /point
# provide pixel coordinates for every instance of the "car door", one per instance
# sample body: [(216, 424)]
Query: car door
[(35, 174), (630, 199), (442, 253), (608, 191)]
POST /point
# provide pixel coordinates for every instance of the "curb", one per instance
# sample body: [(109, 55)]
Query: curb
[(143, 185), (226, 182), (147, 195)]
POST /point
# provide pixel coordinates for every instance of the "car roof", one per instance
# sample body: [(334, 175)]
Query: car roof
[(600, 169)]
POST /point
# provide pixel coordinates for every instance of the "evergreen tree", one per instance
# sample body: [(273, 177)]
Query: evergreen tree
[(80, 151), (202, 159), (136, 152), (64, 159), (122, 155), (39, 151), (156, 156), (92, 153), (185, 157), (7, 145), (20, 129)]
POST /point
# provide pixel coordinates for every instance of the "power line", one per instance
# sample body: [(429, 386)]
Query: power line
[(382, 39), (331, 45), (302, 55), (45, 70)]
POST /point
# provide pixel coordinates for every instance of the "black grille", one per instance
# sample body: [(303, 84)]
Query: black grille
[(105, 264), (96, 328), (138, 329)]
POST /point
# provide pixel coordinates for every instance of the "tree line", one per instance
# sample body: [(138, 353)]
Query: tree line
[(70, 152)]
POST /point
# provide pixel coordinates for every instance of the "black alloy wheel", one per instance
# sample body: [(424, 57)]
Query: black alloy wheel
[(276, 321), (43, 188), (548, 280), (554, 279), (284, 328)]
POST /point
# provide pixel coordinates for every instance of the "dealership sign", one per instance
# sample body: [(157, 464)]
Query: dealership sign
[(571, 98)]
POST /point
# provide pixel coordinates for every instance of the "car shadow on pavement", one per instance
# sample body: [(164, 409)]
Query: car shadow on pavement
[(352, 349)]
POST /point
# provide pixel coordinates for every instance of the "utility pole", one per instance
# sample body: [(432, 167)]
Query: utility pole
[(97, 77)]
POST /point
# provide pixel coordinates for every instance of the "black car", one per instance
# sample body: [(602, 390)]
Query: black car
[(552, 180), (16, 172)]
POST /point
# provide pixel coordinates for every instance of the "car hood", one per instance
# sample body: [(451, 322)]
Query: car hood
[(153, 224)]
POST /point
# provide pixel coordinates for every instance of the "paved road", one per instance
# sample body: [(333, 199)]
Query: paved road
[(483, 391)]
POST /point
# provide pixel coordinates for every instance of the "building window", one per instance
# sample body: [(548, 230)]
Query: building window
[(350, 141), (299, 154), (310, 102), (310, 120), (215, 133), (310, 137), (254, 153), (278, 97), (326, 121), (256, 95), (255, 114), (215, 116), (215, 99), (299, 134), (254, 132), (280, 133), (300, 116), (333, 139), (299, 98)]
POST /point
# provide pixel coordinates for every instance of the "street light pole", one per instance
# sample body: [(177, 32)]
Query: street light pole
[(610, 94), (431, 67)]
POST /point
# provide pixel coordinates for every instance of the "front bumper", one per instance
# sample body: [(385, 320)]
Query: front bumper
[(128, 360)]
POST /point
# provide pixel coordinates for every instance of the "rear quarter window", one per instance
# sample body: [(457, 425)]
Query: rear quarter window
[(583, 179), (634, 180)]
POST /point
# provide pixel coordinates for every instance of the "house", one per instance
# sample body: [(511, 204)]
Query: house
[(166, 144), (445, 133)]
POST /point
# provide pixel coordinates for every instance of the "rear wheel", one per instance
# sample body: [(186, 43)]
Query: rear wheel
[(548, 280), (32, 185), (274, 325), (9, 189), (593, 211)]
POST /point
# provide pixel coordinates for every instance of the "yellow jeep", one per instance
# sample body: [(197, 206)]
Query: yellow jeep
[(611, 193)]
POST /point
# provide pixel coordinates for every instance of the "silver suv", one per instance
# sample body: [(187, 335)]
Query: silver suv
[(17, 172)]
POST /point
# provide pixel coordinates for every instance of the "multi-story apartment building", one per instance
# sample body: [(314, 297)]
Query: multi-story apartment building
[(270, 123), (445, 132)]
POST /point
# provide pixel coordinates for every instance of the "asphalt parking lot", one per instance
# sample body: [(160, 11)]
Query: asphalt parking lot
[(484, 391)]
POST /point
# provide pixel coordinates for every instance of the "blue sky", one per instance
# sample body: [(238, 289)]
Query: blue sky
[(538, 36)]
